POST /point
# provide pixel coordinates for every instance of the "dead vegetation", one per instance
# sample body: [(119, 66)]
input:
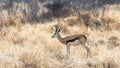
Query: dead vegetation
[(25, 44)]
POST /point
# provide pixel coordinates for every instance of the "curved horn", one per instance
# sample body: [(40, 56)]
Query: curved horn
[(57, 26)]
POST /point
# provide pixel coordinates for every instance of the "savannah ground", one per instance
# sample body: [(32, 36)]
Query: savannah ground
[(25, 40)]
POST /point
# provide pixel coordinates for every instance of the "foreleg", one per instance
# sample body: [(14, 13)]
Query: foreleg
[(68, 50)]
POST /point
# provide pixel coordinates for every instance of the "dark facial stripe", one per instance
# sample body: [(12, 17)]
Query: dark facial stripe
[(56, 31)]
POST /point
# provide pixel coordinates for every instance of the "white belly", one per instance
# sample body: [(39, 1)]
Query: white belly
[(74, 43)]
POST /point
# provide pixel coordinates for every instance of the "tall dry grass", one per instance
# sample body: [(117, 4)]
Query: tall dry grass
[(29, 45), (33, 47)]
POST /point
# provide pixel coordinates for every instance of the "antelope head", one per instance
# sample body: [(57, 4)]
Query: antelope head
[(57, 27)]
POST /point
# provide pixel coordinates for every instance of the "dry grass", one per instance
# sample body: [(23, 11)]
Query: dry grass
[(33, 47), (26, 45)]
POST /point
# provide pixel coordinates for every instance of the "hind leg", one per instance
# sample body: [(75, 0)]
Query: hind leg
[(88, 50)]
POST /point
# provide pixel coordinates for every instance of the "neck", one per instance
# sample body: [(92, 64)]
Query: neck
[(60, 38)]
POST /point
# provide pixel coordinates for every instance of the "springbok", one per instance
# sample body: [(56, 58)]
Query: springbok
[(71, 40)]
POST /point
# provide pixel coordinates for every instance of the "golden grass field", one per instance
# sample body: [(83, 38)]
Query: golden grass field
[(26, 45)]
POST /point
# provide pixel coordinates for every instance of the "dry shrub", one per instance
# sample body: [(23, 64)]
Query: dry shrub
[(88, 19), (109, 23), (110, 63), (86, 16), (106, 65), (15, 22), (101, 42), (73, 22), (113, 38), (113, 42)]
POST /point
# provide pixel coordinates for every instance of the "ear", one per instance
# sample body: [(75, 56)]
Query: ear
[(56, 26)]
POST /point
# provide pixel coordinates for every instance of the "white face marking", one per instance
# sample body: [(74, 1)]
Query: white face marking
[(56, 32)]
